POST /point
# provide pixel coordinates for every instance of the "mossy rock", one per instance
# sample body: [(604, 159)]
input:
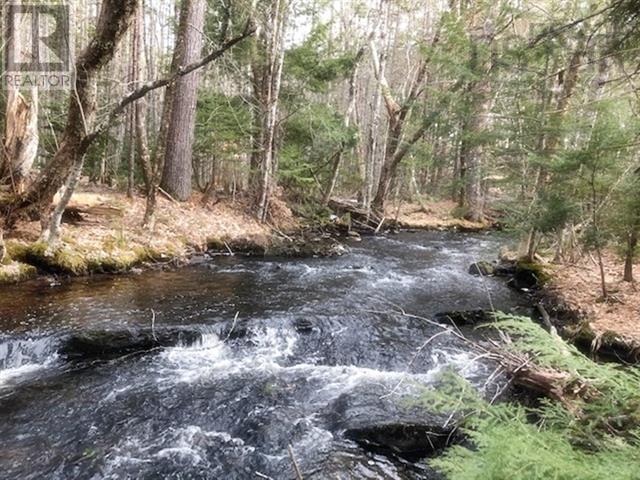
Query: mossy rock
[(62, 259), (253, 245), (14, 272), (114, 262), (482, 268), (528, 276)]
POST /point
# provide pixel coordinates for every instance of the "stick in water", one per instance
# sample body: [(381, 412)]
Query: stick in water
[(296, 468)]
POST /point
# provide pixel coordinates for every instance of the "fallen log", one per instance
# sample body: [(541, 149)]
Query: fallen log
[(360, 218)]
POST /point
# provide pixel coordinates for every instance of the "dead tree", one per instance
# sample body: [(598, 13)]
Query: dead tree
[(113, 22), (21, 123)]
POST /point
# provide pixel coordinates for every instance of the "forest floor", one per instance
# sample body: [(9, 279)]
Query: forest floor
[(102, 232), (577, 285), (437, 216)]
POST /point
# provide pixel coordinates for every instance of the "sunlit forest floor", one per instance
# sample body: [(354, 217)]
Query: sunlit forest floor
[(98, 217), (102, 231), (579, 286), (437, 215)]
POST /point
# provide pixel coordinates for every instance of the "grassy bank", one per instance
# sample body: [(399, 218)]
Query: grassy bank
[(102, 233)]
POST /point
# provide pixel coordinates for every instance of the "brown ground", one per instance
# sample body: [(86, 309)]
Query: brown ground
[(439, 216), (579, 286), (110, 224)]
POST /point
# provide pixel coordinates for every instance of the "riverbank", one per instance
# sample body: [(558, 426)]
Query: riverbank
[(570, 298), (102, 233), (610, 326), (438, 215)]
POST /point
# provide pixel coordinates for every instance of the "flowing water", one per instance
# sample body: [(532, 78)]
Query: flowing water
[(287, 352)]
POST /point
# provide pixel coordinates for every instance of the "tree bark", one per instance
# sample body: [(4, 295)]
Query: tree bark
[(267, 77), (632, 244), (113, 22), (178, 168), (21, 138), (21, 122)]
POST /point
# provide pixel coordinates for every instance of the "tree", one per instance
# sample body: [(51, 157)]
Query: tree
[(178, 149), (397, 115), (21, 138), (266, 78), (21, 123), (113, 21)]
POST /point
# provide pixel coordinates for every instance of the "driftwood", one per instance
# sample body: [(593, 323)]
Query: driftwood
[(555, 384), (360, 218), (80, 213)]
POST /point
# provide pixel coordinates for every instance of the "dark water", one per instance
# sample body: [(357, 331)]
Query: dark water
[(317, 346)]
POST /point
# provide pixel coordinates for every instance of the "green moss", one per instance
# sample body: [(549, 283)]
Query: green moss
[(216, 244), (536, 269), (151, 254), (63, 259), (16, 250), (15, 272)]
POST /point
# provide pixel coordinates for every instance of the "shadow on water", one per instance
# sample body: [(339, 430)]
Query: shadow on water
[(315, 355)]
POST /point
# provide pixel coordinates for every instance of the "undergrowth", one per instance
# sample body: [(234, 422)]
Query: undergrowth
[(598, 437)]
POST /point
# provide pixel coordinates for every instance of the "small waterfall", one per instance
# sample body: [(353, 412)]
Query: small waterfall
[(24, 355)]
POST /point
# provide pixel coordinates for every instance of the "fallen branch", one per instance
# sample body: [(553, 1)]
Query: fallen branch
[(296, 468)]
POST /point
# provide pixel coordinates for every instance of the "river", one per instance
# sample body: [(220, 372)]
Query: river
[(261, 354)]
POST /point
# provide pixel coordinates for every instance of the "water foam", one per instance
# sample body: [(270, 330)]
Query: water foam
[(24, 357)]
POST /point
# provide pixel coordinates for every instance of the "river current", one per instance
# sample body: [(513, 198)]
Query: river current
[(265, 358)]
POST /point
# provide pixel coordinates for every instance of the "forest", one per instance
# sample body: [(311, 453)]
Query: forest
[(320, 239)]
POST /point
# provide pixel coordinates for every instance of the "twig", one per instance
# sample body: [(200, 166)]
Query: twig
[(153, 324), (413, 359), (262, 475), (229, 249), (163, 192), (233, 325), (296, 468)]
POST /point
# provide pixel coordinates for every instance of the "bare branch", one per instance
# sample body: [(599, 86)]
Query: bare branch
[(137, 94)]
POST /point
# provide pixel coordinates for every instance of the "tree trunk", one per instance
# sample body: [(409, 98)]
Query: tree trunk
[(632, 244), (140, 121), (351, 106), (178, 168), (131, 157), (113, 22), (51, 224), (267, 80), (21, 120), (21, 138)]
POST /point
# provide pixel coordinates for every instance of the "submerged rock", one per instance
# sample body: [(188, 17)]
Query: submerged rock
[(411, 441), (303, 325), (114, 343), (482, 268), (388, 427), (465, 317)]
